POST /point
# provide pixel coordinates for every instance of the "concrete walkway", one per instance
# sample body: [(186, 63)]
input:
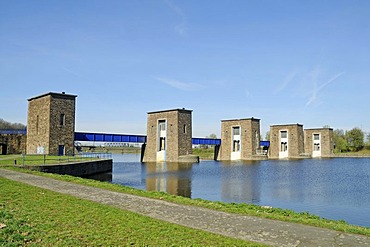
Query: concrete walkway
[(270, 232), (10, 157)]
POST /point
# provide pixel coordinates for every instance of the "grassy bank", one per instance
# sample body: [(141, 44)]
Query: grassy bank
[(32, 216), (41, 159), (204, 153), (362, 153), (242, 208)]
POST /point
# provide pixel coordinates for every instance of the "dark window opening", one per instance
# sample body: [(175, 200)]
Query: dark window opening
[(283, 146), (236, 146), (162, 125), (62, 120), (283, 134), (316, 147), (162, 143), (37, 124), (61, 150), (236, 131)]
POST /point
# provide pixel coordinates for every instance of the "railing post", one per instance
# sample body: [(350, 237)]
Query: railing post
[(44, 159)]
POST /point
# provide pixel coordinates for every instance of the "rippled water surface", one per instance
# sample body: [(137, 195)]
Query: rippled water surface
[(336, 188)]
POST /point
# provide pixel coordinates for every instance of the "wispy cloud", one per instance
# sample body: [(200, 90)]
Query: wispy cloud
[(70, 72), (180, 28), (315, 74), (288, 79), (184, 86)]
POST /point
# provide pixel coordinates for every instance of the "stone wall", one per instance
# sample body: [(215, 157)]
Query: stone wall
[(327, 141), (80, 169), (178, 134), (46, 129), (250, 137), (295, 140), (13, 143)]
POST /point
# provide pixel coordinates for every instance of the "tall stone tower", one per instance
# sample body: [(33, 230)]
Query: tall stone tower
[(169, 135), (286, 141), (319, 142), (240, 139), (51, 124)]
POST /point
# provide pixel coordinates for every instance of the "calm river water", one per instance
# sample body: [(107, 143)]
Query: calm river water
[(337, 188)]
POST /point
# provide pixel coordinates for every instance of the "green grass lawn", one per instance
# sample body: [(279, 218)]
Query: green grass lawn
[(204, 153), (238, 208), (31, 216), (363, 152), (8, 160)]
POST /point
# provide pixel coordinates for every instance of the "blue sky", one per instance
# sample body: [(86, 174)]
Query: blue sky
[(284, 62)]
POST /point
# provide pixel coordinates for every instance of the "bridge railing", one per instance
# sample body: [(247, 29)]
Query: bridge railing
[(205, 141), (13, 132), (43, 159), (102, 137)]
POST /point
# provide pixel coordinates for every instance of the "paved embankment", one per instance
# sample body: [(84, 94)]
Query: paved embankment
[(265, 231)]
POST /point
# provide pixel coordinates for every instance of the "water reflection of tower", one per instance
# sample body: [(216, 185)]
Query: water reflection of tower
[(171, 177), (240, 182)]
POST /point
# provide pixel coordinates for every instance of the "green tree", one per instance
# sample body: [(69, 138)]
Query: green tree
[(340, 141), (7, 125), (367, 143), (355, 139), (267, 136), (212, 136)]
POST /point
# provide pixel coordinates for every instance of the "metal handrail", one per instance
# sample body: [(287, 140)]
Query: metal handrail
[(43, 159)]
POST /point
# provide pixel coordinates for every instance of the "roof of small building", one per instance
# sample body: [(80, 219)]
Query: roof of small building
[(60, 95), (178, 109), (241, 119), (284, 125), (326, 128)]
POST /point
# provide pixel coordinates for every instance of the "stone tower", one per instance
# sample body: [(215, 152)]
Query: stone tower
[(319, 142), (51, 124), (169, 135), (286, 141), (239, 139)]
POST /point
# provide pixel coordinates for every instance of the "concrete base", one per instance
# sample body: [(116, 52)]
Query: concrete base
[(78, 169), (189, 159), (259, 157)]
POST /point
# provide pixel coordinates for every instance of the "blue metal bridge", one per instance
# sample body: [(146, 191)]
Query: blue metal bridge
[(103, 137)]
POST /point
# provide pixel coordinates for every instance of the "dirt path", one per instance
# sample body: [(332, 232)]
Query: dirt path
[(271, 232)]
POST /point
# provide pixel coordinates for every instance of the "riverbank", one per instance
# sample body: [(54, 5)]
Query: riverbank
[(239, 208), (235, 225), (32, 215)]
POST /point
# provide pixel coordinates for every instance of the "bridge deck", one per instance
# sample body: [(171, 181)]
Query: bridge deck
[(103, 137)]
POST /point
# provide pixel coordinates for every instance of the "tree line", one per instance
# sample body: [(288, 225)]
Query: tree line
[(8, 125), (350, 140)]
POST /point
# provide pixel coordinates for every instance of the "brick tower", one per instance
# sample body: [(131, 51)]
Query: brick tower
[(319, 142), (51, 124), (169, 135), (286, 141), (240, 139)]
